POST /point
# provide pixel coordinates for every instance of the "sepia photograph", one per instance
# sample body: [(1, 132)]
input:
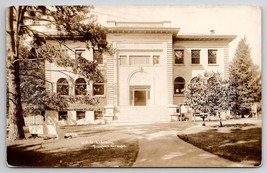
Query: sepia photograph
[(133, 86)]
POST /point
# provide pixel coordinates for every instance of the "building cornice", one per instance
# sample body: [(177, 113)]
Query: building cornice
[(211, 37), (145, 30)]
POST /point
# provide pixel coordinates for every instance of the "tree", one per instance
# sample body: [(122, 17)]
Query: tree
[(73, 22), (207, 93), (245, 80)]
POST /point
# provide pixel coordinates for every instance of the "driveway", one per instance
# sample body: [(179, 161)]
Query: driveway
[(159, 146)]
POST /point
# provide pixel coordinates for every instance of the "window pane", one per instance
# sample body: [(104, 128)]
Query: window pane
[(212, 54), (98, 89), (179, 84), (195, 56), (98, 115), (138, 60), (80, 115), (98, 57), (62, 87), (179, 56), (155, 59), (62, 115), (80, 86)]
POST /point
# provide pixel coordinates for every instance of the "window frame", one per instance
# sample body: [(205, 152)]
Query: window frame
[(98, 84), (132, 60), (175, 62), (176, 83), (84, 92), (60, 117), (98, 57), (211, 59), (62, 84), (79, 117), (195, 58)]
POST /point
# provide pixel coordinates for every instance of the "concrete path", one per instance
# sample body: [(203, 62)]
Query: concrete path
[(162, 148)]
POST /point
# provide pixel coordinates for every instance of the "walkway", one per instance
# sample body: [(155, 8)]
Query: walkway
[(159, 146)]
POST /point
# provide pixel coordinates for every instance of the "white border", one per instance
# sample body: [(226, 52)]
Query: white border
[(3, 5)]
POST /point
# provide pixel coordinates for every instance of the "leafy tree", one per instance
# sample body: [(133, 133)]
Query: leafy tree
[(207, 93), (25, 66), (245, 80)]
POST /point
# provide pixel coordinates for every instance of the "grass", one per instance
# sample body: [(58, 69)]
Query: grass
[(98, 149), (233, 142)]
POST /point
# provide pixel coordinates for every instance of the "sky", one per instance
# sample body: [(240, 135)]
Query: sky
[(232, 20)]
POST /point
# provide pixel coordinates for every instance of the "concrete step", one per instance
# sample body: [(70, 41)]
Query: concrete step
[(141, 114)]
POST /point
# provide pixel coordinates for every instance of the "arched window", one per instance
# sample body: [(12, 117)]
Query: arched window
[(63, 86), (179, 84), (80, 86)]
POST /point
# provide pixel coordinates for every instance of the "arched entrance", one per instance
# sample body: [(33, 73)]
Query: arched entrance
[(141, 89)]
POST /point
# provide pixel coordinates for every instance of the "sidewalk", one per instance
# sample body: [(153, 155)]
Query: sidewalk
[(165, 149)]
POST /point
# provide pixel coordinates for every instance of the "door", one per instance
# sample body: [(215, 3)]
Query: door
[(140, 95)]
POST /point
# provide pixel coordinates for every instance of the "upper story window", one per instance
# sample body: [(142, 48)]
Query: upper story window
[(79, 53), (212, 56), (179, 85), (98, 89), (80, 86), (155, 59), (98, 57), (195, 56), (179, 56), (62, 86), (139, 59)]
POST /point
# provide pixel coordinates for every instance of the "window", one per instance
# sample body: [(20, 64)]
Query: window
[(98, 115), (123, 60), (155, 59), (98, 89), (179, 56), (63, 86), (139, 60), (80, 115), (80, 86), (98, 57), (195, 56), (179, 84), (62, 115), (212, 55), (79, 53)]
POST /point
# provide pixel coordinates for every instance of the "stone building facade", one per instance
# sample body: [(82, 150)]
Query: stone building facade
[(147, 74)]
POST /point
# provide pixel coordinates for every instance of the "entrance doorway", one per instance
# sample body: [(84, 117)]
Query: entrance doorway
[(140, 95)]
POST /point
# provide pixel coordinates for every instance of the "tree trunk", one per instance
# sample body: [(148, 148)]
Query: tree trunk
[(14, 96)]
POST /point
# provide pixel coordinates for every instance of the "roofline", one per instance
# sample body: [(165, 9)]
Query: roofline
[(210, 37), (173, 31)]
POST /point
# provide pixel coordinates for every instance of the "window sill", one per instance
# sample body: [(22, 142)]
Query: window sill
[(213, 64), (196, 64), (178, 95), (98, 95), (179, 64)]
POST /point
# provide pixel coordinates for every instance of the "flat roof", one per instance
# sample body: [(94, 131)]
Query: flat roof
[(157, 30), (204, 37)]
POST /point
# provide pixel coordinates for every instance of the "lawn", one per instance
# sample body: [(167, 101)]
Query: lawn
[(236, 142), (92, 148)]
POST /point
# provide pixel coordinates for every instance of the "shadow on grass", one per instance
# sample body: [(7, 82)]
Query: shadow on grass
[(241, 145), (41, 155)]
